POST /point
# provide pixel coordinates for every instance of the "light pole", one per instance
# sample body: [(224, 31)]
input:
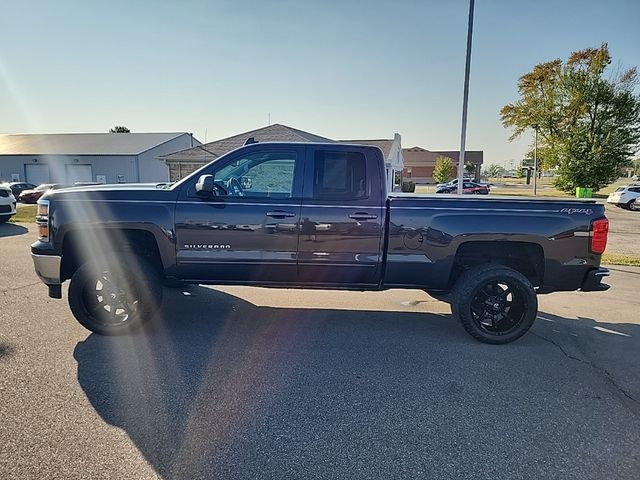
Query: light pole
[(535, 161), (465, 99)]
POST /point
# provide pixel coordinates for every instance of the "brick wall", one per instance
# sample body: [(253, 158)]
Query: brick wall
[(178, 170)]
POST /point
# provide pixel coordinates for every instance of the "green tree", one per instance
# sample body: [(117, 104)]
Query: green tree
[(443, 171), (119, 129), (495, 170), (470, 169), (587, 119)]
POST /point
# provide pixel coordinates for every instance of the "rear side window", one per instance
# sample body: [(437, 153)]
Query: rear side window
[(339, 176)]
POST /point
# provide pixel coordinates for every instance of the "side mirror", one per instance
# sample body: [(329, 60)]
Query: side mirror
[(205, 186)]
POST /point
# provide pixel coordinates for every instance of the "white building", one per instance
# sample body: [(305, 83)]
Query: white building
[(89, 157)]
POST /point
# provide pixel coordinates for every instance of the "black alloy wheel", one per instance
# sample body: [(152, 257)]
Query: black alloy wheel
[(114, 295), (109, 299), (498, 307), (495, 304)]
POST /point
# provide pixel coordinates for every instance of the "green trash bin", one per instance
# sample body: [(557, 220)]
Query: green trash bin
[(580, 192), (588, 193)]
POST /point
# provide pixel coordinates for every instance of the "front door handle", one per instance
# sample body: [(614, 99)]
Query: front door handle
[(363, 216), (280, 214)]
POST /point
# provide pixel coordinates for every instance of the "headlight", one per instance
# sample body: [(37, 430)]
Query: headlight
[(42, 220)]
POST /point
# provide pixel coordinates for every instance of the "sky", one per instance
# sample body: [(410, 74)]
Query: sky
[(341, 69)]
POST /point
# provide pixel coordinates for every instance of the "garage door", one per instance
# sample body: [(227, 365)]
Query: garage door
[(78, 173), (37, 173)]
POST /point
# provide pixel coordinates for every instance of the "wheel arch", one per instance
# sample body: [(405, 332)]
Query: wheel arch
[(80, 245), (524, 257)]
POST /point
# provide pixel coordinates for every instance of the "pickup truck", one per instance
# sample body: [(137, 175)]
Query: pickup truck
[(312, 215)]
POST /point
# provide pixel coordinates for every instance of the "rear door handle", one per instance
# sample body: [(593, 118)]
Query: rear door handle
[(363, 216), (280, 214)]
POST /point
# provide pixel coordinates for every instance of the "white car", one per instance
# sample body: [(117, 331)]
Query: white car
[(624, 196), (7, 203)]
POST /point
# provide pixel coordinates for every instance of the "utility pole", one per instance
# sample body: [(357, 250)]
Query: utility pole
[(535, 161), (465, 99)]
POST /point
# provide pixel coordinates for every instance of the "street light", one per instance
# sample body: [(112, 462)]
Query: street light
[(465, 100), (535, 161)]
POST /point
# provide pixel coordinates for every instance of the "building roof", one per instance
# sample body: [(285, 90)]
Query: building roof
[(384, 144), (272, 133), (82, 143)]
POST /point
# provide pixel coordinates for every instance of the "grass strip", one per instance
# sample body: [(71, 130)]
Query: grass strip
[(25, 214), (620, 259)]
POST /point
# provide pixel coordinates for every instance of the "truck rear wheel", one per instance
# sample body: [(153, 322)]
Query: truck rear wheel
[(495, 304), (114, 295)]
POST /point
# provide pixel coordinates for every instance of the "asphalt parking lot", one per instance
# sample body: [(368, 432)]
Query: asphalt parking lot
[(253, 383)]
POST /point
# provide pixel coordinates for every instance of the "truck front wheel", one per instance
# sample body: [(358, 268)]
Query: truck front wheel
[(495, 304), (113, 295)]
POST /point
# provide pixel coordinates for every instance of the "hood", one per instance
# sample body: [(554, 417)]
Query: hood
[(121, 191)]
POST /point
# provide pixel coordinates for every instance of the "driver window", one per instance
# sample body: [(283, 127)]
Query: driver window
[(259, 175)]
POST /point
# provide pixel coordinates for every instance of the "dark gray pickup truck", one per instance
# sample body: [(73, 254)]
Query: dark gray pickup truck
[(305, 215)]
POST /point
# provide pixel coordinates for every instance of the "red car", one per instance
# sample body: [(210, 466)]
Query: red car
[(32, 196)]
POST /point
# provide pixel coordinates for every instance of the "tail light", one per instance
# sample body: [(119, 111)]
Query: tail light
[(599, 231), (42, 220)]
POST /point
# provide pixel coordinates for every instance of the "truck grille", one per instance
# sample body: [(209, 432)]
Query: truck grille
[(4, 193), (5, 208)]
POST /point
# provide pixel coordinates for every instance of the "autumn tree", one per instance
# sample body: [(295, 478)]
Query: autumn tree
[(587, 117), (443, 171)]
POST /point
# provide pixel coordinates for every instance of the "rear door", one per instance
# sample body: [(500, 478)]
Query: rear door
[(341, 221), (249, 234)]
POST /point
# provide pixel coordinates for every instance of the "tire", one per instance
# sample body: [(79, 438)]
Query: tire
[(494, 303), (115, 294), (5, 218), (628, 204)]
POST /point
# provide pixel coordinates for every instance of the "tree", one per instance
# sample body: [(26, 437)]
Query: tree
[(587, 119), (119, 129), (495, 170), (443, 171), (470, 169)]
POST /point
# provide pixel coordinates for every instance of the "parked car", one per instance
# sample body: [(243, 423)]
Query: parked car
[(330, 223), (32, 196), (472, 188), (624, 196), (454, 182), (7, 203), (18, 187)]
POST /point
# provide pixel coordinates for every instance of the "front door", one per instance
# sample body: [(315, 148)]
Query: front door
[(248, 231)]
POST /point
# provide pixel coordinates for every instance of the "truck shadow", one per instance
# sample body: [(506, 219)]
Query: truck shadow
[(220, 388), (11, 230)]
